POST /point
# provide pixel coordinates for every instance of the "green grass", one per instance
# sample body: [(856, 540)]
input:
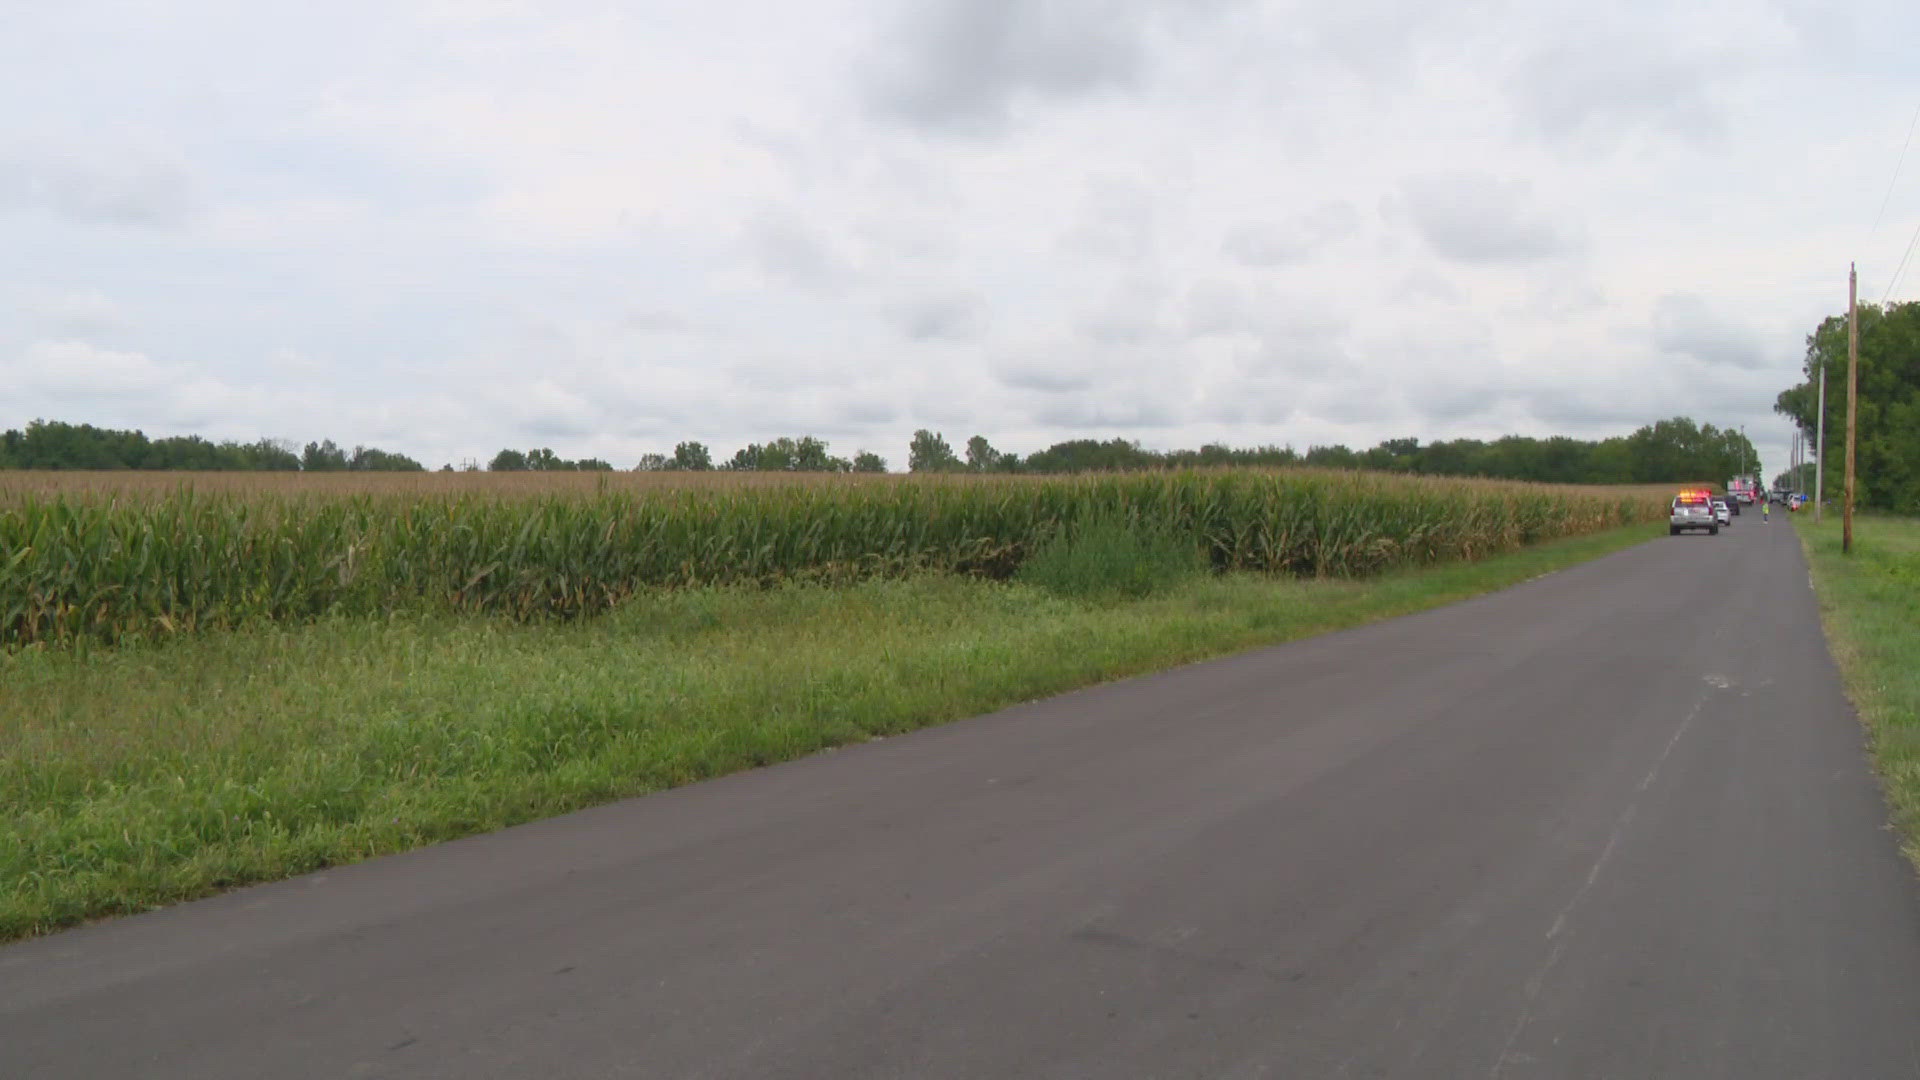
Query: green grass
[(1108, 557), (1870, 605), (137, 776)]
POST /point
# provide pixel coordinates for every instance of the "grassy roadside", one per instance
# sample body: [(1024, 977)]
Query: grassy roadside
[(140, 776), (1870, 605)]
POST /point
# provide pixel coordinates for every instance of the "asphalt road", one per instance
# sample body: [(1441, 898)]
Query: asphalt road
[(1616, 822)]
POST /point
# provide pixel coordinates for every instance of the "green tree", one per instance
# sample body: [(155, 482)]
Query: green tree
[(508, 461), (373, 459), (981, 456), (1887, 446), (929, 452), (1091, 455), (323, 457), (1336, 456), (866, 461), (692, 457), (785, 454)]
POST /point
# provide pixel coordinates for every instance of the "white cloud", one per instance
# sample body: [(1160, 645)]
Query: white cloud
[(444, 228), (83, 370), (80, 312)]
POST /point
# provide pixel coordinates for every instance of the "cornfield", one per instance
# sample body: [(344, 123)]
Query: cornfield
[(98, 559)]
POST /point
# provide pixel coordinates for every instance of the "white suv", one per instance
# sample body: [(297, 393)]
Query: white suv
[(1693, 510)]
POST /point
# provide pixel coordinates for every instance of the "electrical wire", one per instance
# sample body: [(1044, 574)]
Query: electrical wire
[(1902, 269), (1884, 199)]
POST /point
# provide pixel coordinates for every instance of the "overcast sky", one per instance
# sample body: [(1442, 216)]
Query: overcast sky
[(446, 226)]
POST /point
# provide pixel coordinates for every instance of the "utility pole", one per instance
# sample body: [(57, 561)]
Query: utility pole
[(1853, 414), (1820, 442)]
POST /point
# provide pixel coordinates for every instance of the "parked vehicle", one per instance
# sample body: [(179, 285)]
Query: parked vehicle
[(1692, 510), (1721, 513), (1744, 491)]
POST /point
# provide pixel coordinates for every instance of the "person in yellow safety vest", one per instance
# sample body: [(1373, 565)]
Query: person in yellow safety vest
[(1766, 512)]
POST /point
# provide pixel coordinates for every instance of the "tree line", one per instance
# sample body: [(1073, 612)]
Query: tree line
[(1887, 446), (1676, 449), (51, 444), (785, 454), (1672, 450)]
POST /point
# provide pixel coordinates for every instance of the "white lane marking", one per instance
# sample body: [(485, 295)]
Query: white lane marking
[(1531, 993)]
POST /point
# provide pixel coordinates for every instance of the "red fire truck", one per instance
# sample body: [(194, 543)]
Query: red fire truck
[(1744, 491)]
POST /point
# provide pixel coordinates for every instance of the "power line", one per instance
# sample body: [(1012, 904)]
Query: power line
[(1896, 171), (1904, 259)]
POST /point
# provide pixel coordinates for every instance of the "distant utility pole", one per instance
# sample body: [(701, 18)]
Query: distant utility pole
[(1820, 442), (1853, 382)]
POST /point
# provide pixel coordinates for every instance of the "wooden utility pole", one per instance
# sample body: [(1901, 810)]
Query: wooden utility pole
[(1853, 406), (1820, 443)]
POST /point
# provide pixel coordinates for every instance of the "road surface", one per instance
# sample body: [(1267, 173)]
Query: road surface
[(1616, 822)]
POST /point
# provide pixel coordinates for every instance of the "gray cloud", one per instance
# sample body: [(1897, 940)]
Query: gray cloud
[(1686, 325), (656, 321), (1116, 223), (1428, 285), (1604, 87), (861, 413), (1131, 318), (1290, 330), (1046, 380), (1081, 415), (785, 246), (1266, 244), (1569, 406), (943, 317), (964, 63), (127, 188), (1215, 306), (1475, 218)]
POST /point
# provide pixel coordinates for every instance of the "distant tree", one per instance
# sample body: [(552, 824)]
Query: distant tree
[(866, 461), (754, 457), (263, 455), (323, 457), (1336, 456), (508, 461), (805, 454), (653, 463), (981, 456), (373, 459), (692, 457), (587, 464), (1091, 455), (929, 452)]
